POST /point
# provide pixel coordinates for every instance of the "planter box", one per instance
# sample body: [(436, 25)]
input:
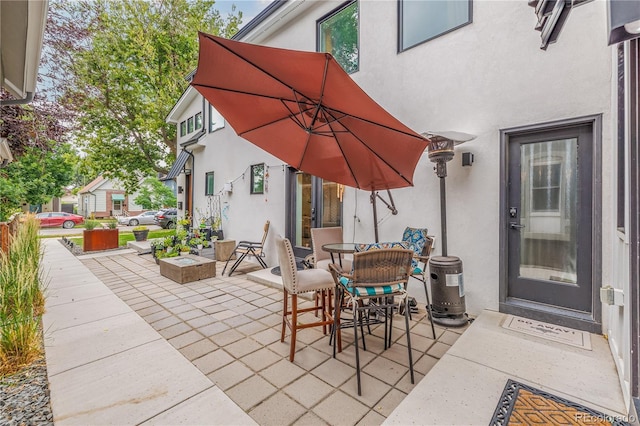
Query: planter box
[(99, 239), (140, 235), (187, 268)]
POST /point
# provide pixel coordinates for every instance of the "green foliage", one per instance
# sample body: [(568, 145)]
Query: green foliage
[(35, 177), (154, 195), (90, 225), (340, 37), (140, 228), (125, 67), (21, 299)]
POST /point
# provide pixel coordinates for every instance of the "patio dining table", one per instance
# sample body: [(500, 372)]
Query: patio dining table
[(340, 249)]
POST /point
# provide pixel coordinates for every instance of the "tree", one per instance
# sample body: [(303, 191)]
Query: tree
[(42, 164), (36, 177), (154, 195), (124, 65)]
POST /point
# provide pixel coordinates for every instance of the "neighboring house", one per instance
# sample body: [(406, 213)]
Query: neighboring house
[(67, 203), (546, 215), (104, 197)]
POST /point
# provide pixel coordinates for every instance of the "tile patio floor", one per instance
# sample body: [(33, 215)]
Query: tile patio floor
[(229, 328)]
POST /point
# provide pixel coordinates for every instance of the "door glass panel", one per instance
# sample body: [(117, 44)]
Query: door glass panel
[(548, 243), (331, 204), (303, 210)]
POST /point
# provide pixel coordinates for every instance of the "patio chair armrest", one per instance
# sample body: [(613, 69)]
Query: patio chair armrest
[(423, 259), (338, 273), (250, 243)]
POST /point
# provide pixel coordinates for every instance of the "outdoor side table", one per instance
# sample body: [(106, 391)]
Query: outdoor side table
[(186, 268), (224, 249)]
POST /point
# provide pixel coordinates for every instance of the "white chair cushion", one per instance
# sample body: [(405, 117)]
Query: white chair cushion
[(324, 264), (314, 279)]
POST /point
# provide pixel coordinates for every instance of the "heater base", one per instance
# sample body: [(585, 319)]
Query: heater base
[(448, 320)]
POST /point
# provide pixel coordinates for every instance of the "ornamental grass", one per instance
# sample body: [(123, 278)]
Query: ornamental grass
[(21, 299)]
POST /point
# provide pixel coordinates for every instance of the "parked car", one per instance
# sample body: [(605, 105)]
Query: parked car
[(66, 220), (145, 218), (166, 218)]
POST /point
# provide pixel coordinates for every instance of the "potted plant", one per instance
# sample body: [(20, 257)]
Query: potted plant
[(94, 238), (140, 233), (216, 232)]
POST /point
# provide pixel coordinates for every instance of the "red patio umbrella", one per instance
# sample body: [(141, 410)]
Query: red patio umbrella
[(303, 108)]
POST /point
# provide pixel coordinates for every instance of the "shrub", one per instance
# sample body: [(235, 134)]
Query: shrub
[(90, 224), (21, 299), (140, 228)]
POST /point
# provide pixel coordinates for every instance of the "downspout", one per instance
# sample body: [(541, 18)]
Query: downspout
[(193, 172), (23, 101)]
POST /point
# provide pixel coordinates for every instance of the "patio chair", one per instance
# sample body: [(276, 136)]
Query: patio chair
[(422, 245), (295, 282), (248, 248), (322, 236), (380, 274)]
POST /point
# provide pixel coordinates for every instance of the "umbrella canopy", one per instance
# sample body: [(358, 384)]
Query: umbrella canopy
[(303, 108)]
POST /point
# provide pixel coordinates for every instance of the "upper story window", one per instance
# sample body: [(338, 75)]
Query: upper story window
[(338, 35), (183, 128), (216, 121), (421, 21), (198, 121)]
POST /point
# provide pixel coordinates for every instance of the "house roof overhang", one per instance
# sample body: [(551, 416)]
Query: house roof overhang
[(22, 25)]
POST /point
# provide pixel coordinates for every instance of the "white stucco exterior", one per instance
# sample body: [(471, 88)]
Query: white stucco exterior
[(480, 79)]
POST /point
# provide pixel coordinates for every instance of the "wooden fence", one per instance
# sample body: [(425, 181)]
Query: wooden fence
[(7, 231)]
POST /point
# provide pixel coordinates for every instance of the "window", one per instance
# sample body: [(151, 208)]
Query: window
[(198, 119), (216, 121), (257, 179), (545, 188), (338, 35), (189, 124), (183, 128), (421, 21), (208, 184)]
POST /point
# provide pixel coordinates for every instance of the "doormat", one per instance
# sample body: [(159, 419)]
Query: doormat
[(525, 405), (557, 333)]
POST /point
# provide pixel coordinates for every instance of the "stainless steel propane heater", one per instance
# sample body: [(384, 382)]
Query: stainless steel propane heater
[(447, 284)]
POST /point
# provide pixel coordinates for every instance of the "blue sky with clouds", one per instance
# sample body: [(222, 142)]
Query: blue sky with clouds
[(249, 8)]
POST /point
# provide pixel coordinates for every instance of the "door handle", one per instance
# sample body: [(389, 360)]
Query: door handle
[(514, 225)]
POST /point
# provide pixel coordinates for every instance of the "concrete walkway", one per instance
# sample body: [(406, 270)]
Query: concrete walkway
[(125, 345), (107, 365)]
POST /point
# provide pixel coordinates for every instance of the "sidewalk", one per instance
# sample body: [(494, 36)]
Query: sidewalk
[(106, 365)]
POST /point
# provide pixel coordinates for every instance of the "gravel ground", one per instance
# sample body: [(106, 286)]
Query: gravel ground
[(24, 397)]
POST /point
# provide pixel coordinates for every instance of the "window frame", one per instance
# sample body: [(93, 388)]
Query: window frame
[(212, 123), (197, 121), (257, 188), (330, 15), (401, 48), (190, 125), (209, 190), (183, 127)]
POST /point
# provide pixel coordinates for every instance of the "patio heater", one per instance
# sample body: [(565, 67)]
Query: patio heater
[(447, 285)]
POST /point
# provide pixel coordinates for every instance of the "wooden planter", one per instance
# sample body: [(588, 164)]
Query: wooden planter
[(99, 239)]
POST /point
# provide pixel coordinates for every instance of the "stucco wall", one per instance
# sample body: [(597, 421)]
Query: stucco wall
[(487, 76)]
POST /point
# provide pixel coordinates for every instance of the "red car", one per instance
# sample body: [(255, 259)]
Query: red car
[(66, 220)]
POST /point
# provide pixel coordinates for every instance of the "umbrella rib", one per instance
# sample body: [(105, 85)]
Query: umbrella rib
[(233, 52), (370, 149)]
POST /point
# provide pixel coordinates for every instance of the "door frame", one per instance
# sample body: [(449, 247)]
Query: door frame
[(579, 320)]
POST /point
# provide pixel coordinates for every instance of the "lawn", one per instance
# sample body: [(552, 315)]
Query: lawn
[(125, 236)]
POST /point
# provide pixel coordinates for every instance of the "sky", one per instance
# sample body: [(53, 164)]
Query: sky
[(249, 8)]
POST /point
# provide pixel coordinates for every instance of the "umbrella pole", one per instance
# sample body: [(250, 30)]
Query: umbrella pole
[(443, 216), (375, 215)]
